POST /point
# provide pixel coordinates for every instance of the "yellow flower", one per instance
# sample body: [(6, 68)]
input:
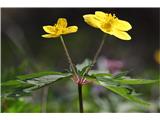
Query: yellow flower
[(58, 29), (109, 24), (157, 56)]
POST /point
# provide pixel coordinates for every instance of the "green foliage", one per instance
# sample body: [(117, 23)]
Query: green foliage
[(25, 84), (19, 105), (118, 83), (121, 79), (36, 75), (125, 92), (135, 81), (81, 68)]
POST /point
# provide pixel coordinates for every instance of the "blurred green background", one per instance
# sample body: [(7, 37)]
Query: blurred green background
[(23, 50)]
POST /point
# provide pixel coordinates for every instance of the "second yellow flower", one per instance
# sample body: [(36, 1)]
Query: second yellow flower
[(60, 28)]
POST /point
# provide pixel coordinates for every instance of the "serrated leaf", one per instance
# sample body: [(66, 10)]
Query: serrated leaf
[(124, 92), (135, 81)]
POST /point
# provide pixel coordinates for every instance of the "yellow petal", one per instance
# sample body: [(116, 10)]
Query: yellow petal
[(101, 15), (122, 25), (49, 29), (62, 22), (70, 29), (50, 35), (121, 35), (92, 20)]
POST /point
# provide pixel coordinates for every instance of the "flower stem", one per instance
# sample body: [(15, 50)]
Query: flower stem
[(75, 73), (99, 50), (80, 98), (96, 55), (87, 70), (68, 56)]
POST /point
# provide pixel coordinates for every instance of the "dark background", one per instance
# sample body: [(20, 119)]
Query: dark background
[(22, 28)]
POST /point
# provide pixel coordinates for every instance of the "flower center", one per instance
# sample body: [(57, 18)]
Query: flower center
[(109, 22), (107, 26), (58, 29)]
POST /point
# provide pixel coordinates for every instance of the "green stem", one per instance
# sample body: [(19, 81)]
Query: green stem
[(68, 56), (80, 98), (99, 50), (75, 73), (96, 55), (87, 70)]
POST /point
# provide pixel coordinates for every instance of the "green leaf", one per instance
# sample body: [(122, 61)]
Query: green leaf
[(106, 75), (43, 81), (9, 86), (107, 81), (121, 79), (39, 74), (135, 81), (120, 75), (85, 63), (124, 92), (14, 91), (11, 83), (30, 82), (90, 78), (84, 69)]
